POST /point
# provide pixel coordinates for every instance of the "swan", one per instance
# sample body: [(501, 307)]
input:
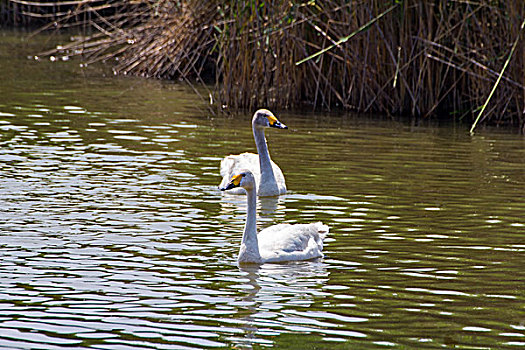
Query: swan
[(277, 243), (268, 176)]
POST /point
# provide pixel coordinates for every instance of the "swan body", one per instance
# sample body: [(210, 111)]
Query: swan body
[(233, 163), (277, 243), (268, 176)]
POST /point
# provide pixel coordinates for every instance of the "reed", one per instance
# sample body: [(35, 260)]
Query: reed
[(422, 58)]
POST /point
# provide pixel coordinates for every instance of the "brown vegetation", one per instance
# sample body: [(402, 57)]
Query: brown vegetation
[(423, 58)]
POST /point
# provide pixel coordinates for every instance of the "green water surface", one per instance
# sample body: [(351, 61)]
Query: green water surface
[(113, 234)]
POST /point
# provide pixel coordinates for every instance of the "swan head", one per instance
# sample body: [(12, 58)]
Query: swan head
[(242, 179), (263, 118)]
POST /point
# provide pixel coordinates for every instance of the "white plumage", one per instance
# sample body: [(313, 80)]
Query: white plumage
[(287, 242), (268, 176), (231, 164), (278, 243)]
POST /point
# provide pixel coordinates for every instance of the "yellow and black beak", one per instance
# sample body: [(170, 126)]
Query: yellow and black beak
[(234, 182), (275, 123)]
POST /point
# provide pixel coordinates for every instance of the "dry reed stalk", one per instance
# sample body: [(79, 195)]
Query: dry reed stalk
[(500, 75)]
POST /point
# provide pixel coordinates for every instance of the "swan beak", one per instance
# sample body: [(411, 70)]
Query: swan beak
[(234, 182), (228, 187), (275, 123)]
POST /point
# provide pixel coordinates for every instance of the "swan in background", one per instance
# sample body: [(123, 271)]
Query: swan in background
[(268, 176), (282, 242)]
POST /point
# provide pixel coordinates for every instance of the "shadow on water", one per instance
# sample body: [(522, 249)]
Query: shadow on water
[(113, 234)]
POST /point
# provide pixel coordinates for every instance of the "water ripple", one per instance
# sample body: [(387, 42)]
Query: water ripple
[(113, 234)]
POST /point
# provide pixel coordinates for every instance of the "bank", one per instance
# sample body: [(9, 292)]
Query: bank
[(428, 59)]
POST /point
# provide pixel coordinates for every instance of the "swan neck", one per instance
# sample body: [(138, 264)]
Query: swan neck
[(249, 251), (249, 236), (262, 149)]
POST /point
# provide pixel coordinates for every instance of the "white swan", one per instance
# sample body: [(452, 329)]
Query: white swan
[(268, 177), (282, 242)]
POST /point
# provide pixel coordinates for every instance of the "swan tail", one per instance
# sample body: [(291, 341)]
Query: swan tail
[(227, 165), (322, 230), (232, 164)]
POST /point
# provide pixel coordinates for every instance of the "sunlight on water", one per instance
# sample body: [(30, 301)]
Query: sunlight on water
[(113, 234)]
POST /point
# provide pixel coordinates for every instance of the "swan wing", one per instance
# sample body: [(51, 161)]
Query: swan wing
[(236, 162), (279, 178), (286, 242), (233, 164)]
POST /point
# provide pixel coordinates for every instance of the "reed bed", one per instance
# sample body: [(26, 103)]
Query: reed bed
[(420, 58), (21, 13)]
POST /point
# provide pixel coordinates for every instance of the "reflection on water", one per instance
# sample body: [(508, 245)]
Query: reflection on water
[(113, 234)]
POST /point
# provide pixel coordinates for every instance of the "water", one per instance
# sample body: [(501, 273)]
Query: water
[(113, 234)]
